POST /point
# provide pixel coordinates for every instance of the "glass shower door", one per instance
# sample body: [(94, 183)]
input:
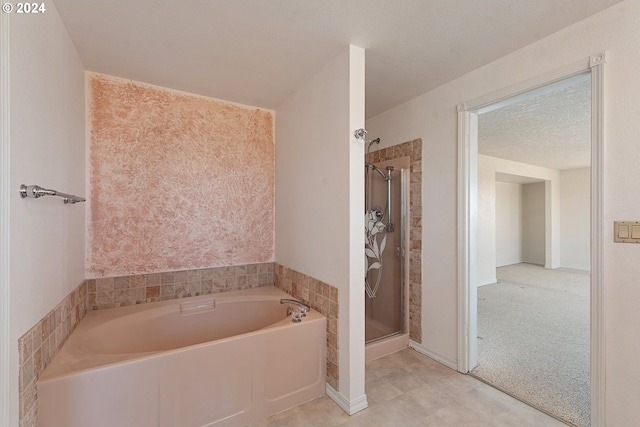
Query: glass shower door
[(384, 252)]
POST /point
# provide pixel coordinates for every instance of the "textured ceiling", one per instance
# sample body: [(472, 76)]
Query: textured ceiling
[(551, 130), (258, 52)]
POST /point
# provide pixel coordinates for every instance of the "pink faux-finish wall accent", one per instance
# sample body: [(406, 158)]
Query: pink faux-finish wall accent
[(176, 181)]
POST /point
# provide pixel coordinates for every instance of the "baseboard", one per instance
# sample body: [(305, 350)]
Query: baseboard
[(491, 281), (447, 361), (349, 406)]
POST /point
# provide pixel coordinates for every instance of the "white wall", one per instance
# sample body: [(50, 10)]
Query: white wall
[(533, 223), (8, 400), (47, 148), (320, 197), (508, 223), (520, 236), (486, 242), (486, 237), (433, 118), (575, 218)]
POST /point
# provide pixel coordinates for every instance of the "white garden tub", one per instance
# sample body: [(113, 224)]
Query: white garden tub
[(225, 360)]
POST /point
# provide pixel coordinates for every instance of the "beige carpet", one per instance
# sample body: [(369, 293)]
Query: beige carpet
[(533, 338)]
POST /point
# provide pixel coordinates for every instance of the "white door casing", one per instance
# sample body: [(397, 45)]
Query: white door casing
[(467, 216)]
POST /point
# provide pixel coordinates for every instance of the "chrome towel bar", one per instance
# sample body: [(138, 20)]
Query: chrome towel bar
[(36, 191)]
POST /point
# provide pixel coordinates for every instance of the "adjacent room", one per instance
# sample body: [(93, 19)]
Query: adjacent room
[(534, 250)]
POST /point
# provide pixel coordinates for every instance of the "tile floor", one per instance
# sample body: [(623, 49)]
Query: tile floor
[(408, 389)]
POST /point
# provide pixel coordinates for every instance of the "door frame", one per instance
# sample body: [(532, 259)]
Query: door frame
[(467, 217)]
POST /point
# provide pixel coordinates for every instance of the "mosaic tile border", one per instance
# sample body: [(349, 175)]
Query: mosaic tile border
[(143, 288), (323, 298), (412, 149), (40, 344)]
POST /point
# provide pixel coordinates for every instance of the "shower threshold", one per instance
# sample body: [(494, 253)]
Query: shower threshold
[(384, 337), (386, 345)]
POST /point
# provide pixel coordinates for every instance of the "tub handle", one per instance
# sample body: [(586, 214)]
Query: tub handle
[(194, 307), (298, 312)]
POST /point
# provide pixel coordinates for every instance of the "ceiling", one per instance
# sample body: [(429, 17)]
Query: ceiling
[(552, 130), (258, 52)]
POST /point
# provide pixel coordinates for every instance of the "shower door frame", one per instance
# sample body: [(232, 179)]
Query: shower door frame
[(404, 250)]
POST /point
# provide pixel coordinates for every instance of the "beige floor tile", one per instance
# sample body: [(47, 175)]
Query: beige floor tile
[(408, 389), (431, 399), (385, 416), (380, 391)]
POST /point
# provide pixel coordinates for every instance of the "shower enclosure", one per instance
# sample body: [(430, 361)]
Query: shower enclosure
[(385, 247)]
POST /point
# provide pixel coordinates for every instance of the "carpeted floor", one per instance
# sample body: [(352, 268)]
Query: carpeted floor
[(533, 338)]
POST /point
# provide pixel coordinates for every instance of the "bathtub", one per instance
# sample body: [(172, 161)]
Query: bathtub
[(216, 360)]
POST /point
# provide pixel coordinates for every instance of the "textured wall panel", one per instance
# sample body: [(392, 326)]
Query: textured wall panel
[(177, 181)]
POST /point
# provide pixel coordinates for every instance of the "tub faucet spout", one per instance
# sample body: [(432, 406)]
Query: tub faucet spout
[(300, 305)]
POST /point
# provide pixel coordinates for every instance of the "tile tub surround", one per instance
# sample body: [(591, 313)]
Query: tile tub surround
[(323, 298), (142, 288), (40, 344), (412, 149)]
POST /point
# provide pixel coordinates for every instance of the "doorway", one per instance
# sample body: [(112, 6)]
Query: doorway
[(468, 215)]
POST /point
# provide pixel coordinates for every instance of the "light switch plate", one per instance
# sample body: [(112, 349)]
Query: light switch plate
[(626, 231)]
